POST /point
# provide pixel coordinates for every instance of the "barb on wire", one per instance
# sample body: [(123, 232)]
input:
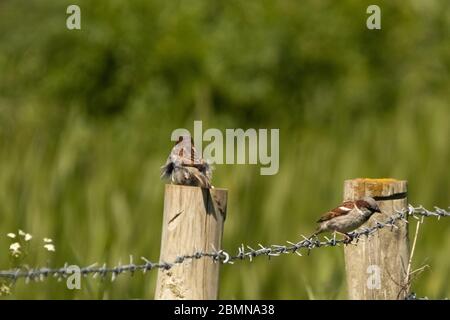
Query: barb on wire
[(413, 296), (222, 256)]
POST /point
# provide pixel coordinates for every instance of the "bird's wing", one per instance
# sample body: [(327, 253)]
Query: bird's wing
[(343, 209), (202, 180)]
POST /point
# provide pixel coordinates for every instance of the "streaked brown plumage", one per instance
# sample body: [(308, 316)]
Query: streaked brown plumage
[(185, 167), (348, 216)]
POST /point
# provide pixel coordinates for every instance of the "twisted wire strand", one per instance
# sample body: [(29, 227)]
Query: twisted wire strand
[(222, 256)]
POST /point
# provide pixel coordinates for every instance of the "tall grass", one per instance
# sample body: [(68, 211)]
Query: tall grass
[(85, 121)]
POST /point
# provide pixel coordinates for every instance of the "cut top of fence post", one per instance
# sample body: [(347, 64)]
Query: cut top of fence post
[(376, 266)]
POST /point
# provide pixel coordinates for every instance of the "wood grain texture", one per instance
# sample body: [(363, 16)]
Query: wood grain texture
[(193, 221), (387, 250)]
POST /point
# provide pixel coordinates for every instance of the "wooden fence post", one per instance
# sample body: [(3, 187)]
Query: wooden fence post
[(193, 221), (376, 266)]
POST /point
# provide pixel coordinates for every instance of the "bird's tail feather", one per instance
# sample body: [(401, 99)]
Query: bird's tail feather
[(317, 232), (202, 181)]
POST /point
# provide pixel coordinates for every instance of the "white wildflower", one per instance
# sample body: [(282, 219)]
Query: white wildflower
[(28, 237), (4, 290), (15, 249), (11, 235), (15, 246), (21, 233), (49, 247), (48, 240)]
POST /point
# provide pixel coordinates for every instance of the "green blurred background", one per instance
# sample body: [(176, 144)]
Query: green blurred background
[(86, 117)]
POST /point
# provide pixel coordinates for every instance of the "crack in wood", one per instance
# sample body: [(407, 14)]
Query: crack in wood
[(175, 216)]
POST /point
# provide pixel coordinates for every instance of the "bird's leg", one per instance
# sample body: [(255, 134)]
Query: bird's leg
[(347, 238)]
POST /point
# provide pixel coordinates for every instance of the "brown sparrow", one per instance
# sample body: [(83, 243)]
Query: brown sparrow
[(185, 167), (349, 216)]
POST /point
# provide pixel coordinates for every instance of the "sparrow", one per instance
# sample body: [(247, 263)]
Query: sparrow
[(185, 167), (349, 216)]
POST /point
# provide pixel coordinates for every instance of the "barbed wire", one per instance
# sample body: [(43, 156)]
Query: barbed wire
[(222, 256), (413, 296)]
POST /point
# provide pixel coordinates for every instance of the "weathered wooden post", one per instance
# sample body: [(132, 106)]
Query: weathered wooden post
[(193, 221), (376, 266)]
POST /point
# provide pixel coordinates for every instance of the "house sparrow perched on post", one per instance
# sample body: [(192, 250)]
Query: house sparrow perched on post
[(349, 216), (185, 167)]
